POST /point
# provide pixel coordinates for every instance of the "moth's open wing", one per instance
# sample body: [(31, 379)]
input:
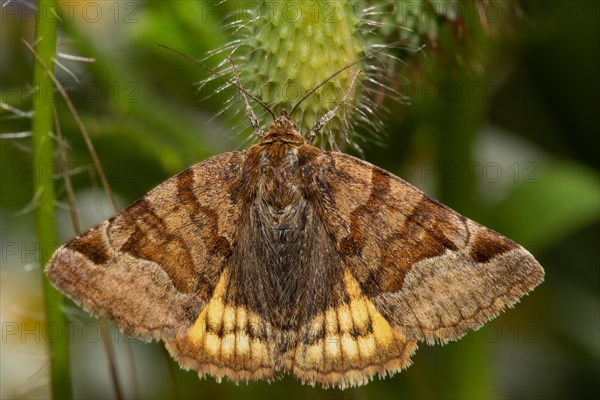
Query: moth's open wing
[(152, 267), (432, 273)]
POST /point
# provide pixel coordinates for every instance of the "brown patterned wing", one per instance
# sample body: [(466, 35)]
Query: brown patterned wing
[(152, 267), (432, 273)]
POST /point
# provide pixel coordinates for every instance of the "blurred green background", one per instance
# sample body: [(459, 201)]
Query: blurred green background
[(502, 125)]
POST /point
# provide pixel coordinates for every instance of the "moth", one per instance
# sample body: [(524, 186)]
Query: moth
[(288, 259)]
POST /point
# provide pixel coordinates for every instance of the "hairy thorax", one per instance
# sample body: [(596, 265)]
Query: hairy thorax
[(279, 198)]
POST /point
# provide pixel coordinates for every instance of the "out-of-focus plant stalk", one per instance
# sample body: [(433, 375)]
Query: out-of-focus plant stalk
[(42, 125)]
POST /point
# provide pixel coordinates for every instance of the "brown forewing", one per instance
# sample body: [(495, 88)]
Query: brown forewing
[(152, 267), (430, 271)]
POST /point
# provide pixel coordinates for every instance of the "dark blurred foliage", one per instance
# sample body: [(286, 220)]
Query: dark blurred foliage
[(502, 126)]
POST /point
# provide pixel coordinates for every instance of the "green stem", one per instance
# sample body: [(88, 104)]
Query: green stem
[(45, 37)]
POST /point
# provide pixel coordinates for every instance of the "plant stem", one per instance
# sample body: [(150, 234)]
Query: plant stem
[(45, 36)]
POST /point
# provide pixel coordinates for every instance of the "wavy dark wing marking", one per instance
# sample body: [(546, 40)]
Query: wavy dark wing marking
[(432, 273), (152, 266)]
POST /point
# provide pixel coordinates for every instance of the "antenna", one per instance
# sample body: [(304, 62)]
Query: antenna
[(221, 75), (329, 115), (249, 111), (339, 71)]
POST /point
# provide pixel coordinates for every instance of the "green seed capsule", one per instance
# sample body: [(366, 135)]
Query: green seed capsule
[(294, 46)]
